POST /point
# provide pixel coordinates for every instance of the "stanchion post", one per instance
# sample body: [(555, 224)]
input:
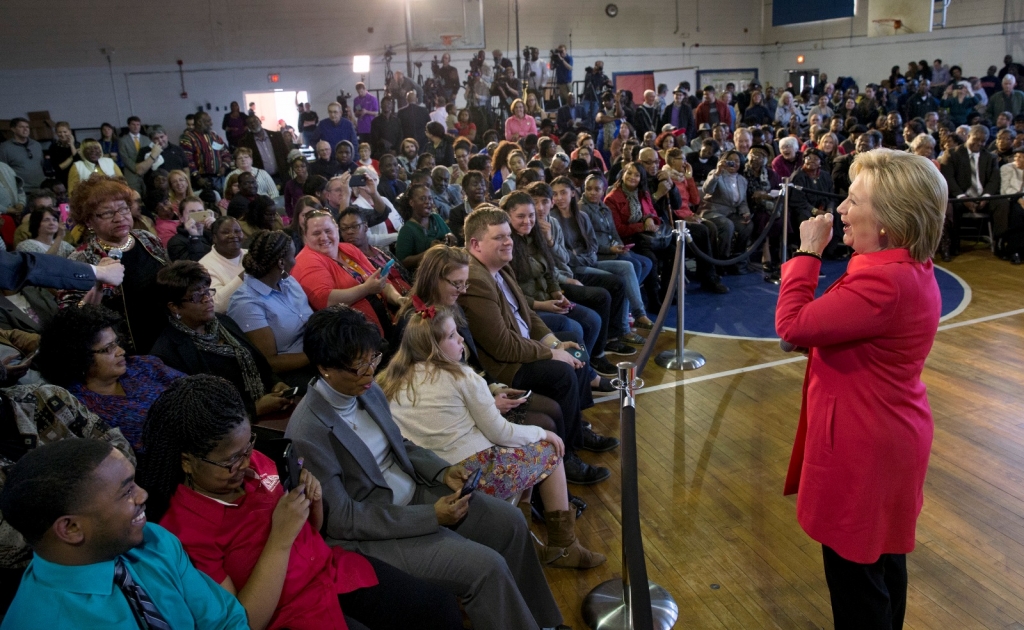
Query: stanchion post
[(610, 606), (680, 358), (784, 254)]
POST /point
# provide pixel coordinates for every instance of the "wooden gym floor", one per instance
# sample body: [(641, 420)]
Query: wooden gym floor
[(713, 455)]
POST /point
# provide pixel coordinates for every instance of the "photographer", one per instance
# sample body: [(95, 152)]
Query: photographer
[(447, 77), (506, 86), (594, 83), (561, 63), (534, 70)]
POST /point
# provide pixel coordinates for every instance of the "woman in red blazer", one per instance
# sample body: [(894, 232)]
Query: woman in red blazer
[(865, 430), (331, 272)]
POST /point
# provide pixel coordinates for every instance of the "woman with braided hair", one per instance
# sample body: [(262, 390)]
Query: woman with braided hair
[(259, 540), (271, 308), (200, 341)]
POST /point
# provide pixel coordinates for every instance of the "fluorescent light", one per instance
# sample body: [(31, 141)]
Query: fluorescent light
[(361, 64)]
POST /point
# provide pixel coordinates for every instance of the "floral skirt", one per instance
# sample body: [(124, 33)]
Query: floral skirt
[(509, 471)]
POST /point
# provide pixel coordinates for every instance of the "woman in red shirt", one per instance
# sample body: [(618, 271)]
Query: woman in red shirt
[(227, 505), (865, 431)]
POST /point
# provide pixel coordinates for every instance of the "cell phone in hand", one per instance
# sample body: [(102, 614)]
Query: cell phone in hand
[(289, 464), (356, 181), (525, 394), (580, 354), (386, 269), (25, 359), (291, 392), (471, 483), (628, 246)]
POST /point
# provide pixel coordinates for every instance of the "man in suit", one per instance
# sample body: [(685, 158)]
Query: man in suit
[(27, 310), (128, 149), (646, 116), (971, 171), (269, 151), (18, 269), (414, 118), (570, 116), (407, 511), (516, 347)]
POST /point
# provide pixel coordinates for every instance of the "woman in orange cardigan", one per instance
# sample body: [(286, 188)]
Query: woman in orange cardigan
[(332, 272), (865, 430)]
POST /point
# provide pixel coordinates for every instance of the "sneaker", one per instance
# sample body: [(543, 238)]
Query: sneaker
[(714, 286), (581, 473), (617, 347), (633, 338), (605, 385), (603, 366), (598, 443)]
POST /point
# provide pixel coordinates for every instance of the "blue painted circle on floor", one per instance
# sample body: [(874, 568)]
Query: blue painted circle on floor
[(748, 310)]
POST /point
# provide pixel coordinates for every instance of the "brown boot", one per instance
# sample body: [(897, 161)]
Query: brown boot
[(564, 549)]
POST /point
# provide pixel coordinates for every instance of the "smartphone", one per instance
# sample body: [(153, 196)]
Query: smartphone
[(290, 393), (386, 269), (64, 210), (289, 465), (580, 354), (471, 483), (25, 359), (523, 395), (628, 246), (357, 180), (201, 216)]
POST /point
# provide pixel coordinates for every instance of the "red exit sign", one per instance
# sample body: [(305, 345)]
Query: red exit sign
[(273, 78)]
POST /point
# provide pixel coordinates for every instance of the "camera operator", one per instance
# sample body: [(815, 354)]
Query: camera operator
[(400, 86), (594, 84), (506, 86), (561, 63), (447, 77), (535, 70)]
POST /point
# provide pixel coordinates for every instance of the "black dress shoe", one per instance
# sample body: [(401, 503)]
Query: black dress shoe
[(603, 366), (714, 286), (598, 443), (581, 473), (578, 502), (1015, 259)]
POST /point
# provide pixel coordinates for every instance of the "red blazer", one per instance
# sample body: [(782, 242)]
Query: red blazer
[(619, 205), (865, 432), (319, 275)]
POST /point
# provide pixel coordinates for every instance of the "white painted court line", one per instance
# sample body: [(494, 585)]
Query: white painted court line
[(771, 364)]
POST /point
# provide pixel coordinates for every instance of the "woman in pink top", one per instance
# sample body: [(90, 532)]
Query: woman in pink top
[(519, 125)]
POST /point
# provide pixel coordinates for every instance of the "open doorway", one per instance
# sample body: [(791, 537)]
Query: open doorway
[(277, 108)]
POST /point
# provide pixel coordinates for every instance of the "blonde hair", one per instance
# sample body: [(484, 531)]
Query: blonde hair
[(420, 344), (909, 197)]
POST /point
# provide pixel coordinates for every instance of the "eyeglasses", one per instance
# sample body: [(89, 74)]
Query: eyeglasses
[(351, 228), (198, 297), (232, 464), (110, 348), (123, 210), (364, 369), (461, 287), (647, 162)]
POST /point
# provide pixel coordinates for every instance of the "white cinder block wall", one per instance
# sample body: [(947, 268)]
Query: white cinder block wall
[(50, 53)]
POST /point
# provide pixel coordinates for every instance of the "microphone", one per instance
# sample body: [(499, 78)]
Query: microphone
[(791, 347), (116, 254)]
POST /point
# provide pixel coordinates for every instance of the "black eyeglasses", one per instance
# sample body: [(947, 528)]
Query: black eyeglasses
[(232, 464), (458, 286), (364, 369)]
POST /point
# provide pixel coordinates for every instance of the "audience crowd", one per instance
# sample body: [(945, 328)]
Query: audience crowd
[(339, 377)]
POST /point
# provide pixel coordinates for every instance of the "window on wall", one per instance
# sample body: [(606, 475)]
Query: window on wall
[(803, 11)]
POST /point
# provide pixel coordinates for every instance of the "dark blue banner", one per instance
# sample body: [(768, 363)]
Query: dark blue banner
[(801, 11)]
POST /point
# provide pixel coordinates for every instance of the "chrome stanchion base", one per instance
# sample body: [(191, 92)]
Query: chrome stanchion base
[(669, 360), (605, 609)]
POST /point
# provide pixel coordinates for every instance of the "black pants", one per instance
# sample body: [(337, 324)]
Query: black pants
[(609, 282), (867, 596), (661, 266), (400, 601), (568, 387), (704, 235)]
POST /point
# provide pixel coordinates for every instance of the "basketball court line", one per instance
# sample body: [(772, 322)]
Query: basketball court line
[(771, 364)]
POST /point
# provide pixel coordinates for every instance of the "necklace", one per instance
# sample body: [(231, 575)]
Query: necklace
[(127, 245)]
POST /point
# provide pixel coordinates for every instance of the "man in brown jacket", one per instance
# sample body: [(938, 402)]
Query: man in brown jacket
[(518, 349)]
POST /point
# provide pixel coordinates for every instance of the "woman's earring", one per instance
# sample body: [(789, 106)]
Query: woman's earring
[(882, 232), (177, 316)]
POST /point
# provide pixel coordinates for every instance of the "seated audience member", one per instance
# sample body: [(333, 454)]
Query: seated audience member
[(305, 205), (519, 124), (1011, 181), (353, 231), (408, 154), (441, 404), (516, 163), (96, 562), (79, 350), (299, 171), (90, 161), (261, 214), (704, 160), (804, 204), (474, 189), (345, 156), (725, 206), (517, 348), (422, 226), (439, 145), (224, 261), (789, 159), (193, 239), (167, 218), (965, 181), (389, 185), (395, 501), (46, 234), (271, 308), (255, 536), (366, 158), (446, 196), (324, 165), (104, 206), (383, 229), (28, 309), (200, 341), (178, 186), (332, 272)]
